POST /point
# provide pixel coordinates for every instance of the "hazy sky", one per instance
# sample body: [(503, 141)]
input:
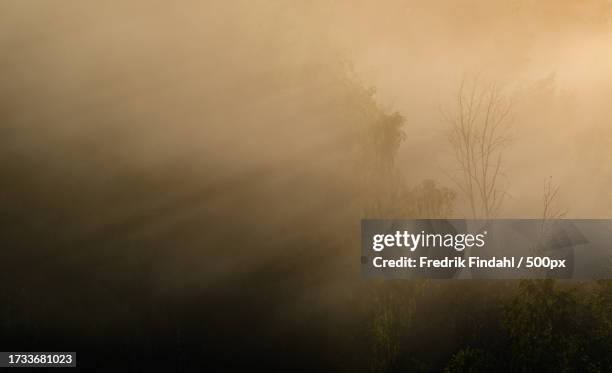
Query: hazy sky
[(231, 86)]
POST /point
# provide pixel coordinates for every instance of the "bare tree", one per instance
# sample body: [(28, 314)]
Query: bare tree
[(480, 123), (550, 195), (549, 211)]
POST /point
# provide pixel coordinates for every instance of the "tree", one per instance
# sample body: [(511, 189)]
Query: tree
[(426, 200), (559, 328), (479, 134), (380, 136), (549, 198)]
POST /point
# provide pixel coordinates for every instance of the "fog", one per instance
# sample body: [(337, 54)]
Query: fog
[(210, 145), (228, 86)]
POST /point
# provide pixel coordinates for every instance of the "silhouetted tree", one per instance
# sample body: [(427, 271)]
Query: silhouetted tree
[(479, 134)]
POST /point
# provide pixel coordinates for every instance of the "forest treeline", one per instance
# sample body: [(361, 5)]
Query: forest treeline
[(476, 326)]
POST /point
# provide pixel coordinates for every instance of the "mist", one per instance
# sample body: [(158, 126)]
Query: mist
[(208, 150)]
